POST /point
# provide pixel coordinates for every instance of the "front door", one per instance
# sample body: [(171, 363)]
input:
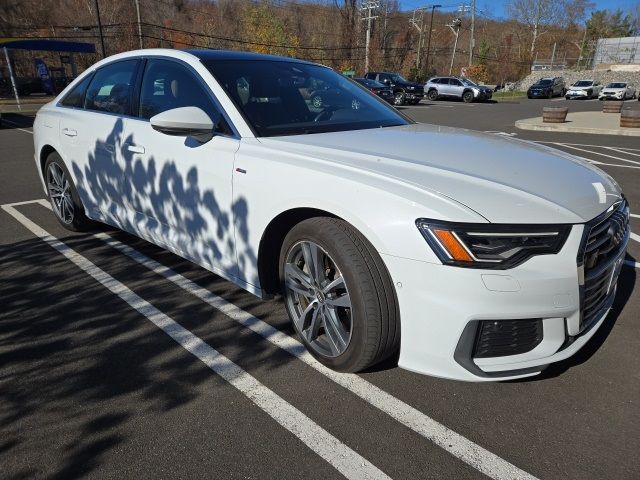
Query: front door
[(177, 191)]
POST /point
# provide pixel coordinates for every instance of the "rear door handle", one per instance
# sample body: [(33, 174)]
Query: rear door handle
[(69, 132), (135, 148)]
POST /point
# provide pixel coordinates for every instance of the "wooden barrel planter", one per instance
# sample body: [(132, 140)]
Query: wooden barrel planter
[(630, 118), (554, 114), (612, 106)]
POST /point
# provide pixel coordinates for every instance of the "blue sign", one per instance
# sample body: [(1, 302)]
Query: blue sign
[(45, 78)]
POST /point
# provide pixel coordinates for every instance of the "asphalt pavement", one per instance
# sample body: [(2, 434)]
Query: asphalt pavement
[(121, 360)]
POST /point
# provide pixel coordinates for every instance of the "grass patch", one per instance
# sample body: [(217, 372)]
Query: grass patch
[(504, 96)]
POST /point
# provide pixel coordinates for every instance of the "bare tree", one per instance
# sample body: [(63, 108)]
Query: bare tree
[(537, 16)]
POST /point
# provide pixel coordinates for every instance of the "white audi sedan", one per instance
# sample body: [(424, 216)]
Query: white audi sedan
[(479, 257)]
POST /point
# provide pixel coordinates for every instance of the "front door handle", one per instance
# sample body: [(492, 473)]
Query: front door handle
[(135, 148), (69, 132)]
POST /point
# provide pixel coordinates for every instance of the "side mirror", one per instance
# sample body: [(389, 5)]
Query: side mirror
[(184, 122)]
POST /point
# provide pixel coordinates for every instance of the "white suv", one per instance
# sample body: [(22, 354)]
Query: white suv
[(480, 257), (456, 87)]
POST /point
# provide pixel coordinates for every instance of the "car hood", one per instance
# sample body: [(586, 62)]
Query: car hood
[(502, 179)]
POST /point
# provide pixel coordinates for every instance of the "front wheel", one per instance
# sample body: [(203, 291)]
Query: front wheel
[(432, 95), (338, 295), (64, 198), (467, 97), (399, 99)]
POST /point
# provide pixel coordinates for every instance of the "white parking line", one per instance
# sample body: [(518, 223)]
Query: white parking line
[(634, 215), (566, 145), (588, 145), (454, 443), (615, 149), (631, 263), (341, 457), (635, 237)]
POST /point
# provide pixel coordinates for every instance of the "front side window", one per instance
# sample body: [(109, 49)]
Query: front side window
[(291, 98), (167, 84), (455, 82), (75, 98), (111, 88)]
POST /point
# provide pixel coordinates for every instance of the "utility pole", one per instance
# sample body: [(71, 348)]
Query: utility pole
[(100, 29), (553, 55), (472, 40), (426, 63), (139, 23), (369, 6), (455, 28)]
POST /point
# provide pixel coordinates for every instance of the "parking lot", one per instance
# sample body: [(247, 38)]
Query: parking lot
[(120, 360)]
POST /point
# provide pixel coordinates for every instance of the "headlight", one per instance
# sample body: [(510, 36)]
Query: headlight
[(491, 245)]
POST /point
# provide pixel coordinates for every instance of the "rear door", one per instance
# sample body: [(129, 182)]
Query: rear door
[(91, 134)]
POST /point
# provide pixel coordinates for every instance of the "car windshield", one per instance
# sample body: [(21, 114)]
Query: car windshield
[(468, 82), (545, 81), (292, 98), (617, 85), (396, 77), (583, 83), (369, 83)]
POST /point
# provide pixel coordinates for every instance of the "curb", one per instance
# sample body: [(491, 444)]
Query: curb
[(528, 124)]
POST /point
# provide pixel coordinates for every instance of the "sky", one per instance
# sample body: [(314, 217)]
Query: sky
[(497, 8)]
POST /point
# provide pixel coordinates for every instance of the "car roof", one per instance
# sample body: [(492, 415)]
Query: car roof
[(205, 54)]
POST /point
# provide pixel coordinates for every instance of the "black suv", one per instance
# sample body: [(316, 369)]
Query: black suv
[(547, 88), (404, 91)]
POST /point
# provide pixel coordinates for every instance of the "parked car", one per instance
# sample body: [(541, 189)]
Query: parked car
[(547, 88), (617, 91), (384, 92), (478, 257), (584, 89), (404, 91), (456, 87)]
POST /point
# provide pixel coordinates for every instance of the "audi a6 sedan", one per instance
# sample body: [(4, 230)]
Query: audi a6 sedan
[(478, 257)]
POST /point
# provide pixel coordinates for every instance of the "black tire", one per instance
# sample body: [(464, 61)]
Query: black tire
[(78, 222), (467, 97), (374, 313), (432, 95), (399, 98)]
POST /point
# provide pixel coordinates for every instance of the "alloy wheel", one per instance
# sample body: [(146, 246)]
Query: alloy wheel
[(60, 193), (318, 299)]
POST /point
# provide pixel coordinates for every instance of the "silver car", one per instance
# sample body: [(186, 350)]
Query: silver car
[(456, 87)]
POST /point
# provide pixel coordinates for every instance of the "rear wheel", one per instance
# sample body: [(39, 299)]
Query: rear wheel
[(65, 202), (338, 295)]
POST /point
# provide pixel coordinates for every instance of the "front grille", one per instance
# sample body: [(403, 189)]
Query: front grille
[(499, 338), (600, 258)]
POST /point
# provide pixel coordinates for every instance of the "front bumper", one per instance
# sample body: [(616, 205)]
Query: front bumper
[(414, 95), (577, 94), (537, 94), (611, 96), (483, 95), (440, 306)]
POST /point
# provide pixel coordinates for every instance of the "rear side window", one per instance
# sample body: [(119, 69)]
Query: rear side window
[(111, 88), (75, 98)]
